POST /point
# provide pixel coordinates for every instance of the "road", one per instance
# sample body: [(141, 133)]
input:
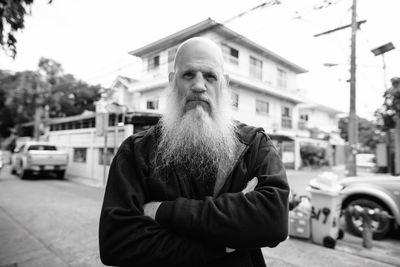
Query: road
[(55, 223), (56, 220)]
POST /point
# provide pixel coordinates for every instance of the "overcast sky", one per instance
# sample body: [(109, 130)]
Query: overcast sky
[(92, 38)]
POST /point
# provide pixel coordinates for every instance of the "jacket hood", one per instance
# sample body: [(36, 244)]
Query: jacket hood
[(246, 133)]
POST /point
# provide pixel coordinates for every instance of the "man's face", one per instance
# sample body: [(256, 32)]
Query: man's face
[(198, 79)]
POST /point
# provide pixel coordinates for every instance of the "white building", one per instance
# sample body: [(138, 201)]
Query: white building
[(263, 85)]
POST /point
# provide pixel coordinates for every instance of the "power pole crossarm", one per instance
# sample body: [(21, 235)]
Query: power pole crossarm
[(340, 28)]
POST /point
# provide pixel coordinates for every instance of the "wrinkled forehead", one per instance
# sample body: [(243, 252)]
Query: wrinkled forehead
[(199, 52)]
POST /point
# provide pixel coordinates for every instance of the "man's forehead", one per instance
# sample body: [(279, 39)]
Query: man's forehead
[(198, 65), (199, 51)]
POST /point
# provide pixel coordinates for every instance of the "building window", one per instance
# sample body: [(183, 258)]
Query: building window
[(262, 107), (304, 117), (255, 68), (235, 100), (231, 54), (152, 104), (282, 79), (109, 155), (79, 154), (286, 118), (153, 63)]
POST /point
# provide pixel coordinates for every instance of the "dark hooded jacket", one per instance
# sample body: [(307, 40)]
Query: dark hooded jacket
[(193, 229)]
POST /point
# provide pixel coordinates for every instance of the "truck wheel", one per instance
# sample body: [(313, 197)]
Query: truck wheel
[(354, 224), (60, 174)]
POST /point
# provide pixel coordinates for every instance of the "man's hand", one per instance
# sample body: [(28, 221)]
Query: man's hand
[(250, 185), (150, 209)]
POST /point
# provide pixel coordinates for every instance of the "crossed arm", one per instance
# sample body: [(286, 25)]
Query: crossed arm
[(150, 208)]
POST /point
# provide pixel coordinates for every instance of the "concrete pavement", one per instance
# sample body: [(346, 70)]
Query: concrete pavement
[(54, 223)]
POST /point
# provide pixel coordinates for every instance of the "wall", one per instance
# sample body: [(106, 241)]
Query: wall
[(90, 171), (321, 120)]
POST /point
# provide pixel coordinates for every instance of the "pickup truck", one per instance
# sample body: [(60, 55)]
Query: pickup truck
[(38, 158)]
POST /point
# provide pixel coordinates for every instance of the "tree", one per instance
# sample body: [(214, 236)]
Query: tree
[(12, 18), (369, 133), (22, 93), (391, 105)]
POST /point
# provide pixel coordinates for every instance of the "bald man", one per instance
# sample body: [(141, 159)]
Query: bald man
[(198, 189)]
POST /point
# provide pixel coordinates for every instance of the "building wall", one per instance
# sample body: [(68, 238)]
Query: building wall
[(320, 119), (246, 111), (90, 170)]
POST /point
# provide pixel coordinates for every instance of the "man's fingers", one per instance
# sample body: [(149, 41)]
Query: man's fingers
[(250, 185)]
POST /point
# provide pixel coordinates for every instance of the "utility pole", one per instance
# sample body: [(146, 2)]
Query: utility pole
[(353, 124)]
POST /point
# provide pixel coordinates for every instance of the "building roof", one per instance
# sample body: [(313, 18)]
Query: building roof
[(228, 34), (124, 81)]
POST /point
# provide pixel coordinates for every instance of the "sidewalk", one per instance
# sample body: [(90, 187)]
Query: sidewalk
[(297, 252)]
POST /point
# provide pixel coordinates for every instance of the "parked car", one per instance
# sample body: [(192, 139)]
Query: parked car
[(38, 158), (378, 191)]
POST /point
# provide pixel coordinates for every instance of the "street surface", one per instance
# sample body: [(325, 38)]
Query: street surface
[(55, 223)]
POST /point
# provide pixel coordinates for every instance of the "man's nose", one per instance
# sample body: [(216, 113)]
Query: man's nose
[(199, 84)]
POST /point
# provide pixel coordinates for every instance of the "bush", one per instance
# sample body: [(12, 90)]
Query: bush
[(313, 156)]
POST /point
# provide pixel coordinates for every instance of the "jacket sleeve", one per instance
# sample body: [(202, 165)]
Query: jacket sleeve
[(127, 237), (236, 220)]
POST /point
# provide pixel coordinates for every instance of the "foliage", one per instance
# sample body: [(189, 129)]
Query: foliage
[(391, 105), (22, 92), (313, 156), (369, 133), (12, 19)]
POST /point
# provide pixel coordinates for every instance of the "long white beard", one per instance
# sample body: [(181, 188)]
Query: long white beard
[(196, 142)]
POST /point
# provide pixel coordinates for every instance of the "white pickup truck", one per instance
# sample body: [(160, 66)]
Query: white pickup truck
[(38, 158)]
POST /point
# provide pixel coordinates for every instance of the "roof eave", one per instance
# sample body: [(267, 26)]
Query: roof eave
[(175, 38)]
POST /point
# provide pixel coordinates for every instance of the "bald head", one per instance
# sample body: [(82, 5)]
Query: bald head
[(198, 78), (199, 49)]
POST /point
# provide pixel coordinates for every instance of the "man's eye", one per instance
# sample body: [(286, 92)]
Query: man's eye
[(188, 75), (211, 77)]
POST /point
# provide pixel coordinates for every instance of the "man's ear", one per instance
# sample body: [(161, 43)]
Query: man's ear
[(171, 77), (226, 76)]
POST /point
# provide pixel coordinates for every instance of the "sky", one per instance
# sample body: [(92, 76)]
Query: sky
[(92, 38)]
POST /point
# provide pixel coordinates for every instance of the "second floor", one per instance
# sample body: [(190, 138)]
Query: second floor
[(243, 58)]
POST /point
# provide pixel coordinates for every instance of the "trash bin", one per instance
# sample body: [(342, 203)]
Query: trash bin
[(326, 202), (299, 219)]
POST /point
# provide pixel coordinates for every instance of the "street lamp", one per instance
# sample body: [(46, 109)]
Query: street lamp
[(381, 50)]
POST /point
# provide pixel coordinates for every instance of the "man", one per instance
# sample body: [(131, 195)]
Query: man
[(198, 189)]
